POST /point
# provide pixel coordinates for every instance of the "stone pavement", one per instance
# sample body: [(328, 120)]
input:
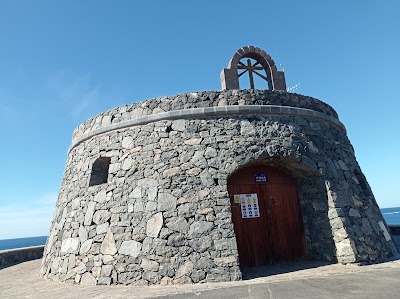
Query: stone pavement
[(311, 281)]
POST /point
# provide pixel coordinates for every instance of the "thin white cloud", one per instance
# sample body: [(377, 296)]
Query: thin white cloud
[(30, 219), (4, 108), (86, 101), (77, 93), (4, 98), (48, 199)]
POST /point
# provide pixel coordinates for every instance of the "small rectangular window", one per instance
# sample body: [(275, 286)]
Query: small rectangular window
[(99, 174)]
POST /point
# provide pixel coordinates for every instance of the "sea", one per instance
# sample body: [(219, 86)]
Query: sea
[(391, 215), (22, 242)]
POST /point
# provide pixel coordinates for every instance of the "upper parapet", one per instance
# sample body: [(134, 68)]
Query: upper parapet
[(230, 76), (206, 103)]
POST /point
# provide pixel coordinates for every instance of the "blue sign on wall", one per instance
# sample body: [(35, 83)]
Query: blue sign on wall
[(261, 178)]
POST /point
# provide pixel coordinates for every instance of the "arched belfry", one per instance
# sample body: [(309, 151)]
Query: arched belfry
[(238, 66)]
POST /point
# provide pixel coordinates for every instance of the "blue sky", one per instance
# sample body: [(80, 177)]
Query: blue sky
[(62, 62)]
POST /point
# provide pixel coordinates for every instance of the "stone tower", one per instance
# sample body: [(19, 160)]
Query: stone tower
[(192, 187)]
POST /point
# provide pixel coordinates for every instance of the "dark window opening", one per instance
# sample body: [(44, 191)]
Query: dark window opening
[(99, 173)]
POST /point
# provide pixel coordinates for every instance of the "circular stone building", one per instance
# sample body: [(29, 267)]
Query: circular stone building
[(194, 187)]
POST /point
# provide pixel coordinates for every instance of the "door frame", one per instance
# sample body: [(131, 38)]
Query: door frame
[(262, 191)]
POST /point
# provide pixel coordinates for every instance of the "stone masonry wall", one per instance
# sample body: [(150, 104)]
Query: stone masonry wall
[(164, 214), (19, 255), (202, 99)]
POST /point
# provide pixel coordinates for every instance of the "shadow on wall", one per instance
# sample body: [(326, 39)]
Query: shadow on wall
[(313, 205)]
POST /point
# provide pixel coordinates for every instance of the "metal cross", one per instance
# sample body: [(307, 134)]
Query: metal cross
[(251, 68)]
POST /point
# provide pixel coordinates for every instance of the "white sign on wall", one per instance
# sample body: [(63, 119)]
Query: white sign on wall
[(248, 205)]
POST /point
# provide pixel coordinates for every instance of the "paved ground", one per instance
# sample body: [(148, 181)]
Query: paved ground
[(309, 280)]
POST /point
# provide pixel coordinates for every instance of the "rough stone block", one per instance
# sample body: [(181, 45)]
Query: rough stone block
[(131, 248), (108, 245), (229, 79), (154, 225), (70, 245)]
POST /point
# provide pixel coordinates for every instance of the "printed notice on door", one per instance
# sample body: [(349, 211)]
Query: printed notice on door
[(249, 205)]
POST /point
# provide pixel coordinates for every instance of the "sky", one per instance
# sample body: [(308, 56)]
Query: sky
[(62, 62)]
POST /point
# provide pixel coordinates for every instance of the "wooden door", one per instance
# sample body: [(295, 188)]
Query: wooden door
[(277, 234)]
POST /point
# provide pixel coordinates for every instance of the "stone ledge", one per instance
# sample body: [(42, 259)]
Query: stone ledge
[(199, 100), (20, 255), (213, 111)]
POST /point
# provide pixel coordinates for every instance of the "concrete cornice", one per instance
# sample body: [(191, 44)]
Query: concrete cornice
[(223, 111)]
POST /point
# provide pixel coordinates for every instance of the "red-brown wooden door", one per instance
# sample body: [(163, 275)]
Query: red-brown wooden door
[(278, 234)]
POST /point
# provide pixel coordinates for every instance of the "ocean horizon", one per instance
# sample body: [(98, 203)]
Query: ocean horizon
[(22, 242), (391, 215)]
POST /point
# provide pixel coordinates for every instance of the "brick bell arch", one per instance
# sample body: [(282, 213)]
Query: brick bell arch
[(229, 76)]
